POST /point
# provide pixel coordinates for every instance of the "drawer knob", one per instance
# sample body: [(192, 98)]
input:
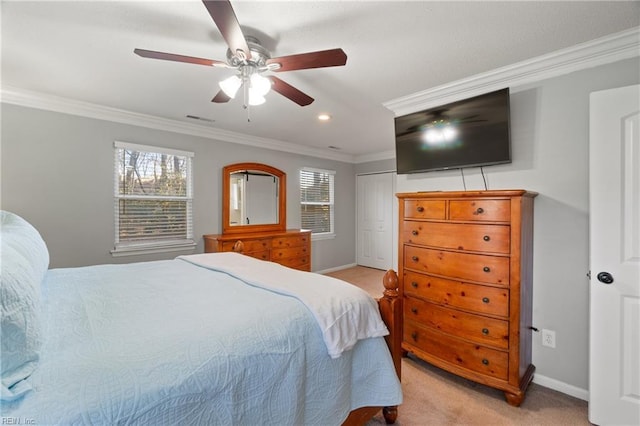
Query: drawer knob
[(486, 238), (414, 335), (414, 310), (414, 284), (485, 361), (486, 269), (485, 300), (420, 209), (414, 258), (414, 232), (479, 210), (485, 331)]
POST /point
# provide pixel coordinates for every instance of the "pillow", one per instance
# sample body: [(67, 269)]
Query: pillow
[(24, 260)]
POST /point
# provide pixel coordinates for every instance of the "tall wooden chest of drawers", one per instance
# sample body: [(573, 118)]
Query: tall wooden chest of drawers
[(465, 276), (290, 248)]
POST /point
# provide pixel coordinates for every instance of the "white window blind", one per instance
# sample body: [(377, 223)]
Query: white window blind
[(317, 200), (153, 192)]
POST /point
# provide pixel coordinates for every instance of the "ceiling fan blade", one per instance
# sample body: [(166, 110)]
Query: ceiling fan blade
[(288, 91), (302, 61), (221, 98), (227, 23), (178, 58)]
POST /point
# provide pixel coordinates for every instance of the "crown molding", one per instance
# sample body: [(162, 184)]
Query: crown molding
[(601, 51), (21, 97)]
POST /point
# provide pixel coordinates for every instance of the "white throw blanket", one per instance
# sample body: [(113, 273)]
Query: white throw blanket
[(344, 312)]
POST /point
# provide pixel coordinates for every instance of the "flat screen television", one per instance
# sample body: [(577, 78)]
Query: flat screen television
[(472, 132)]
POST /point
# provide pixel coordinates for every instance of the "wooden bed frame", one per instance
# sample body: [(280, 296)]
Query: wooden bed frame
[(391, 314)]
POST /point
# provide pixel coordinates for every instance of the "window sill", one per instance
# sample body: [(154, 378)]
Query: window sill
[(327, 236), (140, 250)]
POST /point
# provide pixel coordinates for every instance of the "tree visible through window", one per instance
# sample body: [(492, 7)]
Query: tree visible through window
[(153, 197), (317, 200)]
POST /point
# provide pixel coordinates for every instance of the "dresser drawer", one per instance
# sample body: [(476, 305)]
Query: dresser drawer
[(458, 236), (474, 267), (480, 329), (303, 263), (261, 254), (292, 241), (471, 297), (489, 210), (285, 253), (249, 245), (474, 357), (424, 209)]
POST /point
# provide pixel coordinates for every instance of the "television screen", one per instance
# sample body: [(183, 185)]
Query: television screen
[(468, 133)]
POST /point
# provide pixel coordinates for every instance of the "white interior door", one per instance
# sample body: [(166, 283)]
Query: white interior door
[(614, 354), (375, 220)]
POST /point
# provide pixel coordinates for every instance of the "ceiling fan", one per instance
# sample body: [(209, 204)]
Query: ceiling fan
[(251, 60)]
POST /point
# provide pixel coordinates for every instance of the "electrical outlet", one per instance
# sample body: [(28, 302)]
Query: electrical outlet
[(548, 338)]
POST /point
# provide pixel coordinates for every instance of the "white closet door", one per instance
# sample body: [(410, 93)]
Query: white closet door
[(614, 192), (375, 199)]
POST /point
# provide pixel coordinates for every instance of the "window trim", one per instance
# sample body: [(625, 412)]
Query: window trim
[(331, 234), (151, 247)]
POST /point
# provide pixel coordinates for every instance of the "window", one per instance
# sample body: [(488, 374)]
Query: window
[(317, 201), (153, 194)]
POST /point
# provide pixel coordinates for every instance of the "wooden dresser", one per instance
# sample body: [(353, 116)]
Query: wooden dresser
[(465, 271), (290, 248)]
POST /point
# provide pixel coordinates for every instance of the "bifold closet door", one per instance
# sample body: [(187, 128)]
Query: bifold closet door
[(374, 225)]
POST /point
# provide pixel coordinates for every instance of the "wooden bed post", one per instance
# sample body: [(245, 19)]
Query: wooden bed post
[(391, 313)]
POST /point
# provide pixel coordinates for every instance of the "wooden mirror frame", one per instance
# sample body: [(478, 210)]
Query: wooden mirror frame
[(282, 202)]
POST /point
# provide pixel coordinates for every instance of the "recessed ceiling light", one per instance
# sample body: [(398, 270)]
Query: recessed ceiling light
[(324, 117)]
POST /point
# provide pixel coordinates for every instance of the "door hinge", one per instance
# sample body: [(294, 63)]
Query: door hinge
[(589, 274)]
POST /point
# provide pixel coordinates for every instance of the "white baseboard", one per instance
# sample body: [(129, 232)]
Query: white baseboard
[(337, 268), (559, 386)]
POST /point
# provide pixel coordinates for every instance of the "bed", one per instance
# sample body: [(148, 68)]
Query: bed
[(203, 339)]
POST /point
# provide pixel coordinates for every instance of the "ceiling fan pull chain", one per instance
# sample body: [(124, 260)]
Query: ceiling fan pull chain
[(245, 95)]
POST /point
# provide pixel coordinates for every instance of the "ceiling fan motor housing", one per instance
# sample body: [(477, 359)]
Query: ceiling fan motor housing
[(259, 55)]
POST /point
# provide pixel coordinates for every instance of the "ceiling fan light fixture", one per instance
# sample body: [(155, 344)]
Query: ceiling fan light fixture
[(255, 98), (260, 85), (230, 85)]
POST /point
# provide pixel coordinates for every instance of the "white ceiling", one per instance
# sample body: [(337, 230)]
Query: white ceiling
[(83, 50)]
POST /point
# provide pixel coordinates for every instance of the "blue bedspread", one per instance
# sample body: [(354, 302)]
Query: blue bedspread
[(168, 342)]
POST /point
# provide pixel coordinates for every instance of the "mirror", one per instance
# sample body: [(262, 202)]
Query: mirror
[(253, 198)]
